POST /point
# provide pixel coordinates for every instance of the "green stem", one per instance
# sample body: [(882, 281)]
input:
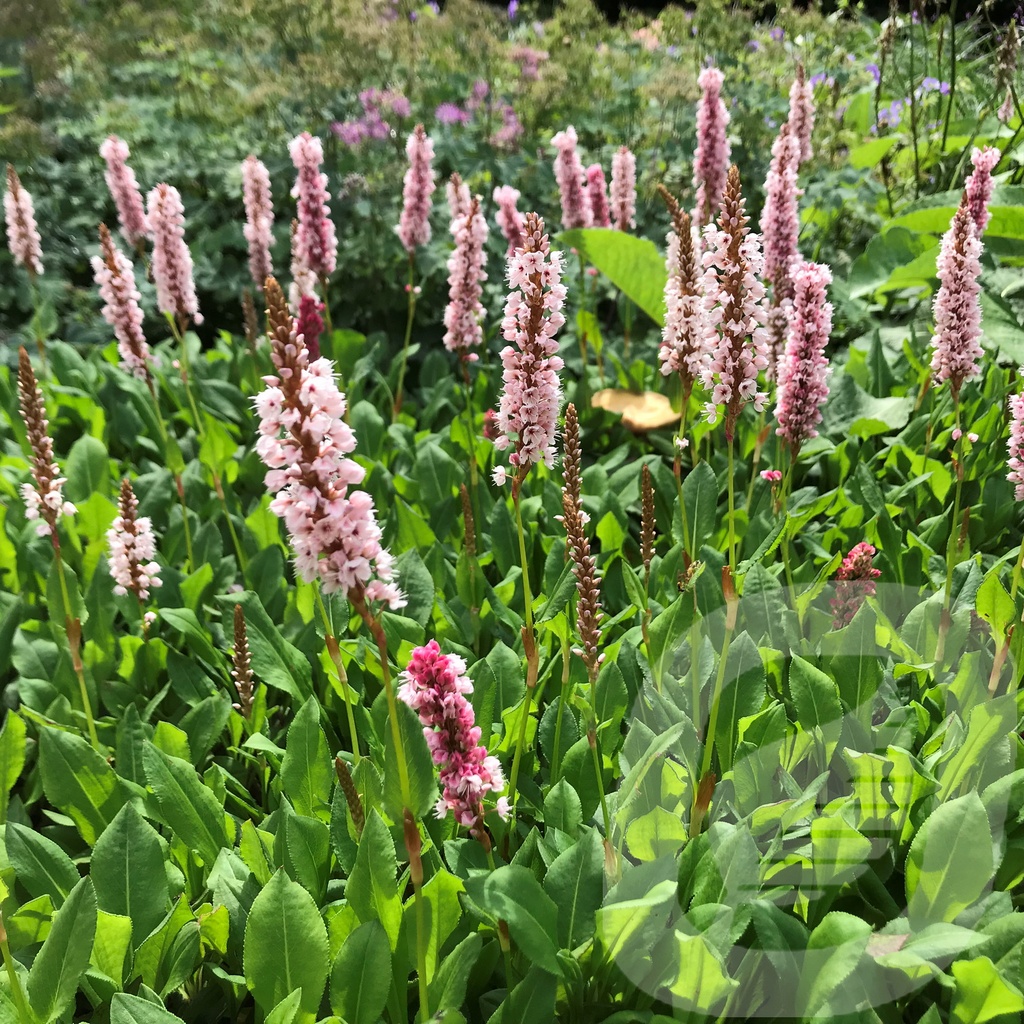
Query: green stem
[(1017, 567), (335, 653), (178, 483), (397, 407), (74, 632), (556, 759), (474, 474), (529, 645), (678, 467), (327, 306), (25, 1015), (421, 954), (179, 336), (716, 699), (952, 546), (732, 510)]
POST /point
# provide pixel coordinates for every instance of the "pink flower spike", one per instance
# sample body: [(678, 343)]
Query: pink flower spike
[(1015, 445), (310, 324), (957, 307), (317, 243), (979, 185), (457, 193), (22, 233), (597, 194), (804, 371), (305, 443), (414, 226), (464, 314), (531, 393), (711, 160), (259, 219), (435, 686), (801, 113), (132, 548), (509, 219), (624, 189), (172, 262), (780, 218), (124, 188), (855, 581), (569, 174), (115, 277)]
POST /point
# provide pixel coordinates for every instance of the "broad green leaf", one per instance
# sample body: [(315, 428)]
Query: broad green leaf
[(700, 497), (129, 1009), (64, 956), (950, 864), (12, 758), (372, 886), (285, 947), (127, 869), (187, 806), (838, 851), (441, 896), (982, 993), (41, 866), (834, 950), (287, 1010), (448, 987), (78, 781), (361, 977), (742, 694), (657, 833), (994, 605), (700, 983), (422, 773), (817, 703), (307, 770), (532, 1001), (87, 469), (575, 882)]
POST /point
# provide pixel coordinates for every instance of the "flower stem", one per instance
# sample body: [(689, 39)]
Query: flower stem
[(179, 336), (716, 695), (73, 627), (397, 408), (952, 547), (1018, 566), (25, 1015), (556, 758), (529, 645), (178, 483), (732, 509), (335, 653)]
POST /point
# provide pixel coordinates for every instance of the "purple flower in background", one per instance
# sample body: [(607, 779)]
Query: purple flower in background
[(819, 79), (753, 46), (450, 113), (414, 16), (351, 133), (777, 34), (507, 136), (915, 18), (478, 95), (874, 71), (432, 4), (513, 7)]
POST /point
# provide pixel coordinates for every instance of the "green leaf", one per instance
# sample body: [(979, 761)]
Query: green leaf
[(575, 882), (64, 956), (12, 758), (79, 782), (361, 978), (700, 984), (422, 773), (372, 887), (187, 806), (668, 632), (285, 947), (532, 1001), (743, 693), (982, 993), (441, 896), (307, 773), (127, 869), (448, 987), (562, 808), (816, 700), (994, 604), (129, 1009), (950, 863), (838, 945), (634, 265), (700, 498), (41, 866), (87, 469)]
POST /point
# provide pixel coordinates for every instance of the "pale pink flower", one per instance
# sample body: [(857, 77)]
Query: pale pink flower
[(979, 185), (466, 274), (597, 195), (304, 281), (132, 548), (115, 277), (458, 196), (316, 239), (172, 262), (957, 306), (855, 581), (259, 218), (435, 686), (532, 392), (804, 370), (684, 344), (305, 443), (711, 160), (22, 233), (780, 218), (124, 188), (801, 113), (414, 226), (624, 189), (509, 219), (569, 174), (734, 304), (1015, 445)]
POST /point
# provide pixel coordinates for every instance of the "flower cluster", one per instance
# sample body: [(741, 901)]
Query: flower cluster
[(711, 160), (734, 306), (172, 262), (854, 582), (597, 196), (979, 185), (414, 226), (509, 219), (508, 135), (305, 443), (532, 393), (124, 188), (1006, 68), (241, 666), (371, 125), (22, 234), (316, 241), (435, 686), (466, 274), (132, 548), (457, 193), (804, 370), (259, 219), (529, 61), (957, 307), (780, 218), (569, 174), (44, 497), (304, 282), (310, 324), (115, 278), (684, 336), (624, 189), (1015, 446), (801, 113)]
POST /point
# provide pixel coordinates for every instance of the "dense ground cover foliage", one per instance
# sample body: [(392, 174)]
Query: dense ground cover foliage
[(511, 520)]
